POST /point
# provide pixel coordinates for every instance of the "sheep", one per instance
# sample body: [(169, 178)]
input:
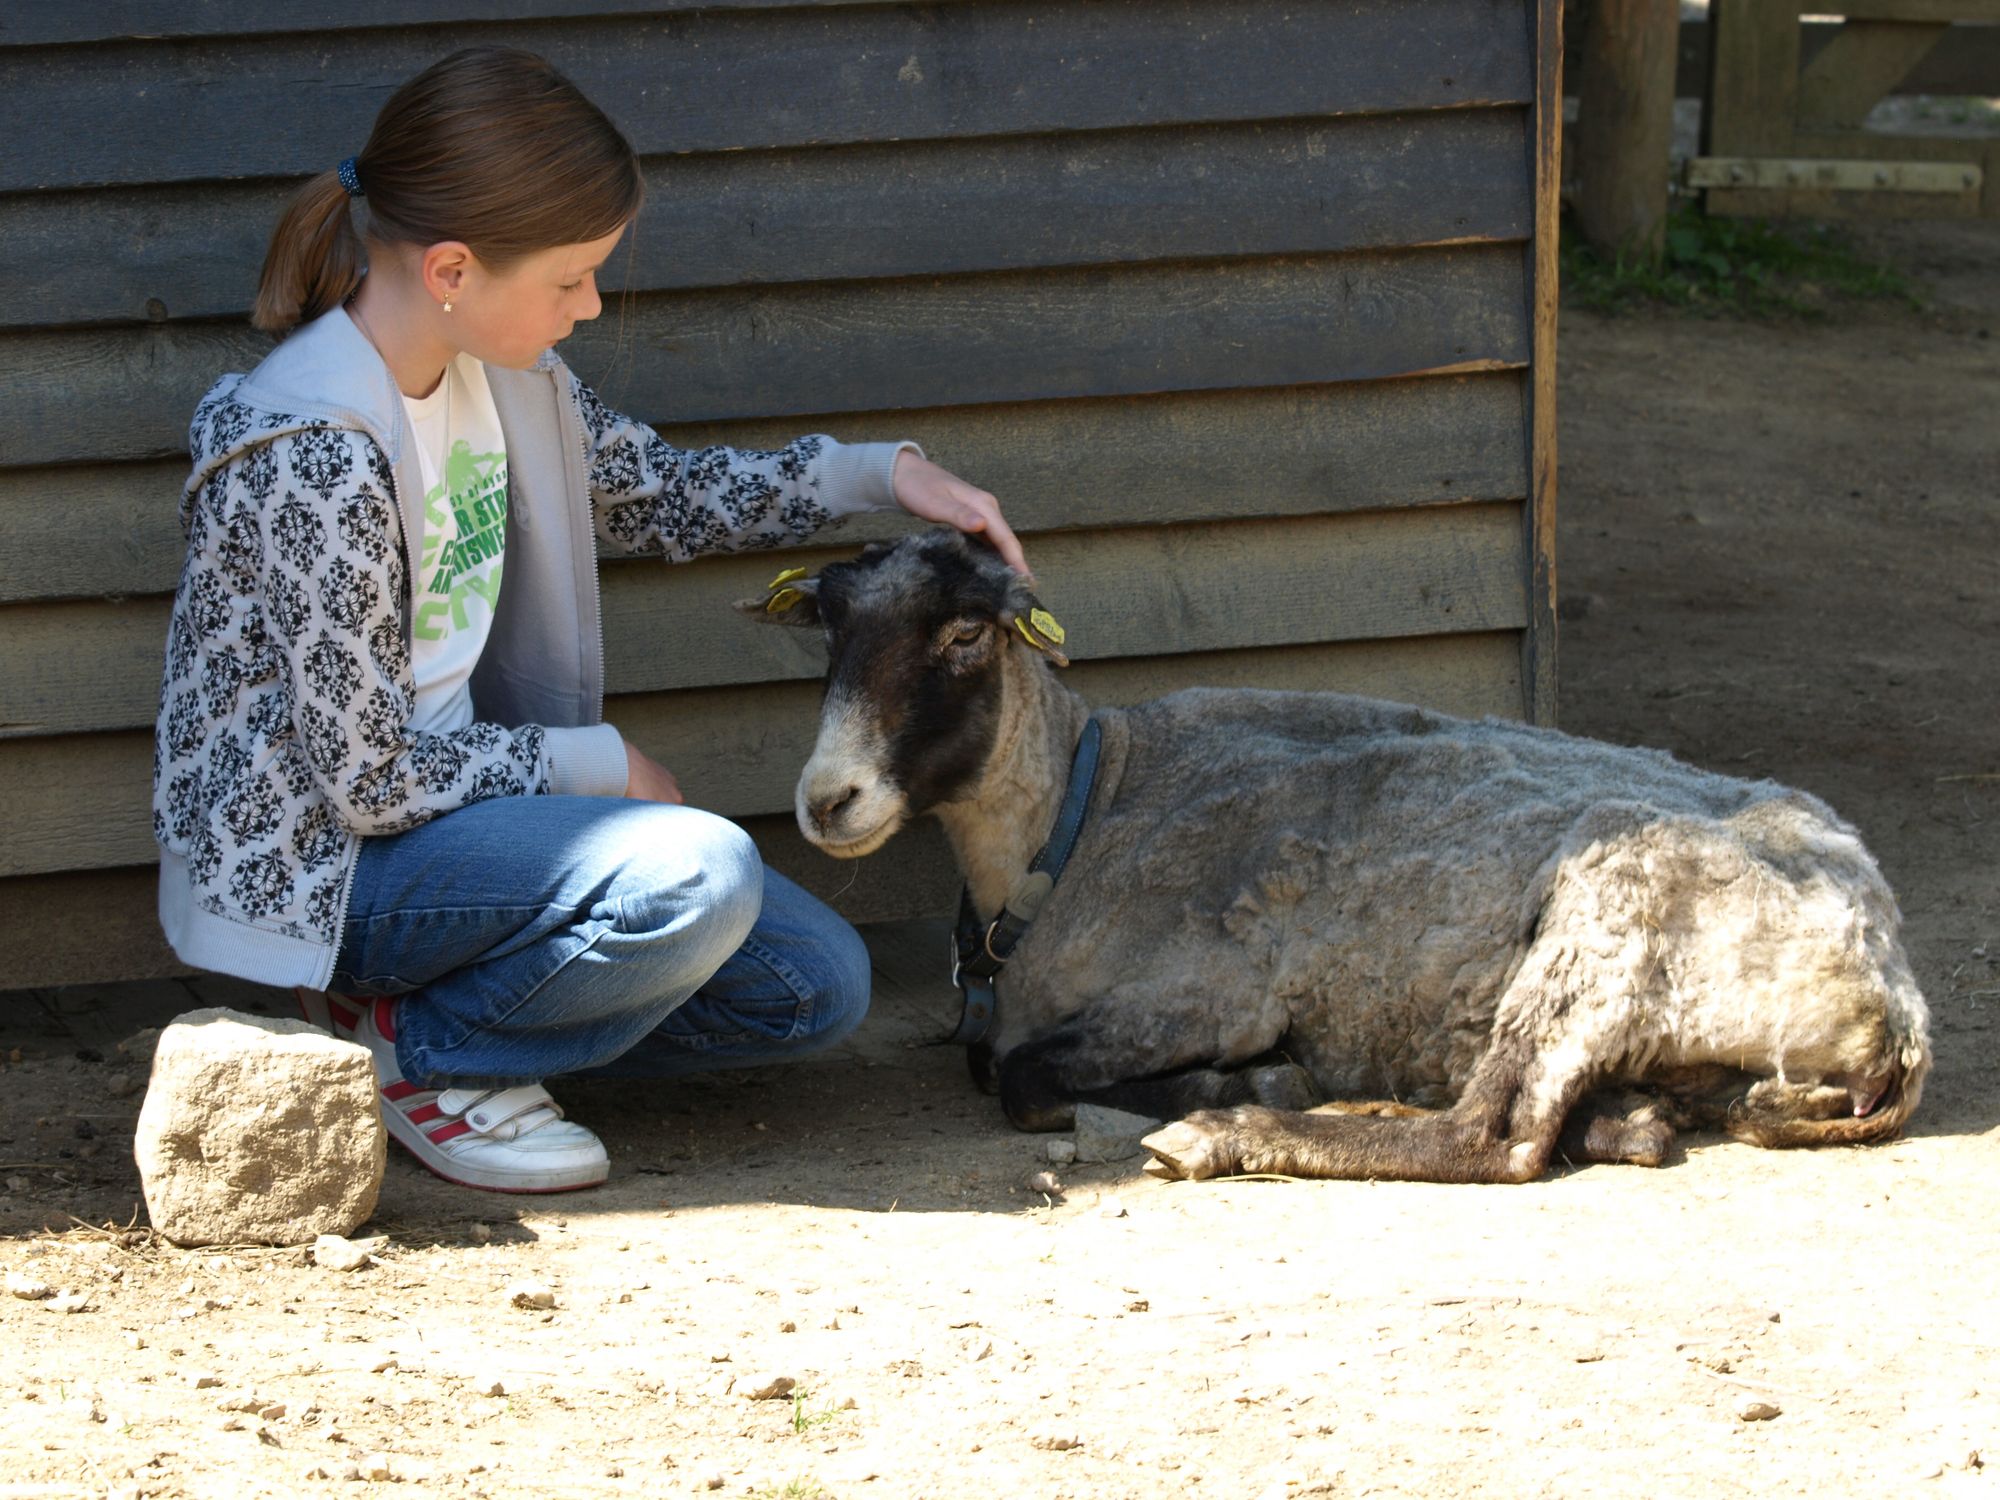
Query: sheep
[(1482, 932)]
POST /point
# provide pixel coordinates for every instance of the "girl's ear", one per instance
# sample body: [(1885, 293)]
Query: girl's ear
[(443, 269), (790, 599)]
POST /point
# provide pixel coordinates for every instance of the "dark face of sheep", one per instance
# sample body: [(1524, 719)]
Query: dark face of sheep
[(916, 637)]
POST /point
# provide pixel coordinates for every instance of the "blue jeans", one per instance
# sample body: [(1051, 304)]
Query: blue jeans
[(537, 936)]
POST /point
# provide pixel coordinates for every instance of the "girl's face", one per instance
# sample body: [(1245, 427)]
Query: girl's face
[(509, 317)]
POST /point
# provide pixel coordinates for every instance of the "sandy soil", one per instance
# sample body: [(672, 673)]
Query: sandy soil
[(1778, 558)]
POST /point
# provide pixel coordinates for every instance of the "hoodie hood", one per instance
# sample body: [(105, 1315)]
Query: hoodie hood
[(325, 374)]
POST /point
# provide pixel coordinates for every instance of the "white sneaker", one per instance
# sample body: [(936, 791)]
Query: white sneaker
[(508, 1140), (330, 1012)]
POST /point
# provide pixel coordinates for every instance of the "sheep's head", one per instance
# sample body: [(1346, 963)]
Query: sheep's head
[(917, 636)]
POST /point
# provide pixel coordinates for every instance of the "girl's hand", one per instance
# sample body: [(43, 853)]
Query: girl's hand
[(647, 780), (934, 494)]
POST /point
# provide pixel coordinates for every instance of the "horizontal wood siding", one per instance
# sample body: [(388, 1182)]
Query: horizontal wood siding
[(1182, 456), (1233, 302), (905, 208), (82, 801), (1021, 336), (717, 80), (42, 940), (1134, 592)]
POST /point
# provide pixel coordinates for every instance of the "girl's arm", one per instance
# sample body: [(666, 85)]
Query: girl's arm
[(655, 499), (333, 585)]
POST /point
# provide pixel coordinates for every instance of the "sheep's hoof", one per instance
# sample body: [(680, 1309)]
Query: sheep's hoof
[(1197, 1147), (1284, 1086)]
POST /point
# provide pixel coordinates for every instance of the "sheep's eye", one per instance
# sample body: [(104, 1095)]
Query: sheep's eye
[(966, 634)]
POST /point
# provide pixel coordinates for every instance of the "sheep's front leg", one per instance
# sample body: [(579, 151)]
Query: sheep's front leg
[(1252, 1139), (1502, 1129), (1042, 1081)]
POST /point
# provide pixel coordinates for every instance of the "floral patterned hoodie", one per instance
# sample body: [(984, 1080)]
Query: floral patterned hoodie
[(283, 737)]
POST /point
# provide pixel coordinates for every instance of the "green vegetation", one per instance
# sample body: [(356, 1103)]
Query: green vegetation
[(797, 1489), (804, 1420), (1744, 267)]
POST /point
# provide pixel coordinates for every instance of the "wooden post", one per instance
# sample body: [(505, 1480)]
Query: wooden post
[(1625, 124)]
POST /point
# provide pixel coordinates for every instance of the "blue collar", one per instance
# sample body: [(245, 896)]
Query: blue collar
[(980, 952)]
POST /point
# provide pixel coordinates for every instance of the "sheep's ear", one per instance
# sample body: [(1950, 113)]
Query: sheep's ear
[(1037, 628), (789, 599)]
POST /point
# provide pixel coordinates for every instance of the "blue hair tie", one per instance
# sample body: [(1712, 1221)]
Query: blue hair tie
[(350, 178)]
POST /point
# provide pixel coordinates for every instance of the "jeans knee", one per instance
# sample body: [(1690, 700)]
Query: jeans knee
[(698, 891)]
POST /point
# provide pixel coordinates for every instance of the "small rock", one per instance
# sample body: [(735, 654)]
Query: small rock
[(483, 1233), (216, 1172), (351, 1472), (788, 1326), (1046, 1182), (316, 1472), (498, 1388), (1056, 1442), (531, 1295), (1757, 1411), (141, 1045), (383, 1366), (18, 1184), (272, 1412), (716, 1481), (27, 1288), (334, 1253), (374, 1466), (121, 1085), (207, 1382), (1111, 1208), (68, 1300), (1110, 1134), (773, 1389), (1060, 1152)]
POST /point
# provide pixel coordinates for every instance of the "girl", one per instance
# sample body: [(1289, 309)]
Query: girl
[(381, 772)]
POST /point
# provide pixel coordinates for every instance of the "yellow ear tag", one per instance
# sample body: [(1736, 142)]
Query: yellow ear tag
[(784, 598), (1045, 622), (786, 577)]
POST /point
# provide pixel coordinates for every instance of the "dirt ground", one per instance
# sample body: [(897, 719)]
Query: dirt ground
[(1778, 558)]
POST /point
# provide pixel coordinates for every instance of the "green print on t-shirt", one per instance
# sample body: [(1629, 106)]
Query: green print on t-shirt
[(469, 567)]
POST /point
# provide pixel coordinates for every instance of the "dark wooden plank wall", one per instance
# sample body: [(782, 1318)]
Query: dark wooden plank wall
[(1244, 308)]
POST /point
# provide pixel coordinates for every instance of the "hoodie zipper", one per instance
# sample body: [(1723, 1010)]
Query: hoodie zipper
[(575, 409)]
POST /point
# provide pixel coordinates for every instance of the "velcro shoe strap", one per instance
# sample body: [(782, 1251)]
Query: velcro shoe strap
[(494, 1113)]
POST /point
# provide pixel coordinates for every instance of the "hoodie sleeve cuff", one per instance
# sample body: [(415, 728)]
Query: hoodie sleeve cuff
[(856, 477), (587, 762)]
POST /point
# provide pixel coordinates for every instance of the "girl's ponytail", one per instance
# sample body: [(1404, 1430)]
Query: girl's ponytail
[(490, 146), (315, 260)]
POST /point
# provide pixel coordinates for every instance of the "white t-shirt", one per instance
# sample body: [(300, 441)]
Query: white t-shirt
[(460, 558)]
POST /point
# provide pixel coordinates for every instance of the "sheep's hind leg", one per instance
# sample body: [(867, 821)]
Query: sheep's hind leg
[(1638, 1132)]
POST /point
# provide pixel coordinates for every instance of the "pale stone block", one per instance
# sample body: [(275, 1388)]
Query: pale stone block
[(258, 1131)]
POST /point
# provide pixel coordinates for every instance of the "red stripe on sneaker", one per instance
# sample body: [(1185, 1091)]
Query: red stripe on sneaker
[(423, 1114), (385, 1017), (449, 1132), (400, 1090)]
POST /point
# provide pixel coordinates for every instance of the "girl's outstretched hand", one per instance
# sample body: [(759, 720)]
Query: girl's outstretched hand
[(934, 494), (646, 779)]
